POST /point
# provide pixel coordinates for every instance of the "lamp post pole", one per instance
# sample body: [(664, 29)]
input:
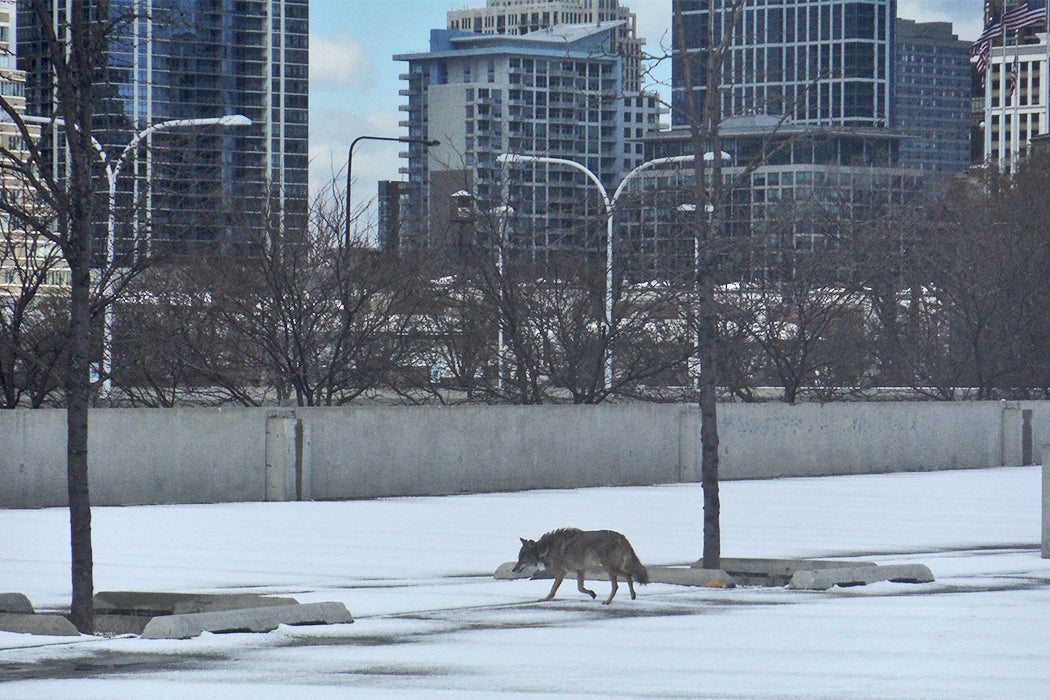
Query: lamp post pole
[(709, 207), (504, 213), (610, 206), (350, 164), (113, 168)]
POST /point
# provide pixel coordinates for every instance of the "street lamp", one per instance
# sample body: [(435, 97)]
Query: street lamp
[(504, 213), (113, 168), (350, 164), (610, 205)]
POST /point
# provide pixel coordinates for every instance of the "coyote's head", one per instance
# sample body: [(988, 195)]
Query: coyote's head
[(528, 556)]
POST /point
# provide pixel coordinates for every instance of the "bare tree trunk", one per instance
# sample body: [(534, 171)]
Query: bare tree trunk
[(708, 350), (699, 121), (704, 131), (82, 611), (73, 55)]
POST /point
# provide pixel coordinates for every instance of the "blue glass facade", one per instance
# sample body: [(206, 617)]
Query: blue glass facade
[(205, 187), (824, 62)]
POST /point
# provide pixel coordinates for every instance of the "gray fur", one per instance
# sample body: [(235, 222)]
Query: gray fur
[(572, 549)]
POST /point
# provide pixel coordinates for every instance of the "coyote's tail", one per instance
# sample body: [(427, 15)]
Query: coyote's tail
[(637, 571)]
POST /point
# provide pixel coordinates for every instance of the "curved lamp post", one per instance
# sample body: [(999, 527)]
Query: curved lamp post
[(113, 168), (610, 205), (350, 164)]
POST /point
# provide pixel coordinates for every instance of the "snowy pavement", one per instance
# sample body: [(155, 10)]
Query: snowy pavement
[(432, 622)]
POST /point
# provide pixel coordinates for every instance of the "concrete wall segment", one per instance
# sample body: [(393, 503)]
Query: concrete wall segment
[(207, 455)]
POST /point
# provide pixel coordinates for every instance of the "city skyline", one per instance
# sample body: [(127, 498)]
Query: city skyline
[(355, 87)]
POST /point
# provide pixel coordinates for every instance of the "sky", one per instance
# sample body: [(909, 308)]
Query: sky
[(431, 621), (354, 81)]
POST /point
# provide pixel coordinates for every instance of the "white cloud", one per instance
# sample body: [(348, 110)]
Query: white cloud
[(338, 60), (332, 129)]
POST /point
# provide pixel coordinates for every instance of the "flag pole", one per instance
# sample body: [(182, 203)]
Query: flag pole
[(1015, 103), (1002, 93), (987, 80)]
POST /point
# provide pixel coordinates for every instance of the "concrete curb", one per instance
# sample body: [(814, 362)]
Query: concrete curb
[(15, 603), (36, 623), (267, 619), (776, 572), (823, 579), (18, 615), (797, 574), (129, 612), (154, 615), (682, 576), (688, 576), (163, 603)]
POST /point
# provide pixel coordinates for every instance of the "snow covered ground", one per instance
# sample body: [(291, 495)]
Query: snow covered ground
[(432, 622)]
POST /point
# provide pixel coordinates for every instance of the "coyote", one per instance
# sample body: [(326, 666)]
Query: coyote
[(571, 549)]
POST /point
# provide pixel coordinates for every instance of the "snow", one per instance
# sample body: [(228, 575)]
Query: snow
[(432, 622)]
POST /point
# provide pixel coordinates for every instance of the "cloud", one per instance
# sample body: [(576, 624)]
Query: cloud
[(331, 131), (338, 60)]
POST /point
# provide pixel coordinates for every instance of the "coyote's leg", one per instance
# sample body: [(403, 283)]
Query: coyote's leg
[(615, 586), (582, 588), (558, 578), (630, 584)]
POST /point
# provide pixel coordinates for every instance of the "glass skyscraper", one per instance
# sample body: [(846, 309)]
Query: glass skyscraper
[(201, 188), (823, 62), (931, 96)]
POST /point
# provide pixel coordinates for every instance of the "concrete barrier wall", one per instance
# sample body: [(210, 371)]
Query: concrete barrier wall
[(136, 456), (776, 439), (411, 451), (237, 454)]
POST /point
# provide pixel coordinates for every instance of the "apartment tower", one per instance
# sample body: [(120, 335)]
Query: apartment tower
[(515, 17), (555, 92), (202, 188)]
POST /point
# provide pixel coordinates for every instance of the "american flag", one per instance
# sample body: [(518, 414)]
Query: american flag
[(993, 30), (983, 58), (1024, 14), (1015, 69)]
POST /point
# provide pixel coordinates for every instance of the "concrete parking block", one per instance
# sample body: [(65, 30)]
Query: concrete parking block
[(15, 603), (688, 576), (504, 572), (154, 603), (682, 576), (264, 619), (34, 623), (776, 572), (823, 579)]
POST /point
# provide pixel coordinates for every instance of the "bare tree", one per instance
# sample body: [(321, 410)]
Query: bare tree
[(62, 210), (31, 308), (704, 121), (975, 318)]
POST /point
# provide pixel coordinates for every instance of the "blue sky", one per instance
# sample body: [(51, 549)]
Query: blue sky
[(354, 81)]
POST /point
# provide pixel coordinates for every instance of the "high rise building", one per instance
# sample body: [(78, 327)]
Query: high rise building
[(813, 183), (931, 96), (556, 92), (515, 17), (1011, 104), (202, 188), (826, 106), (823, 62), (25, 258), (390, 193)]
